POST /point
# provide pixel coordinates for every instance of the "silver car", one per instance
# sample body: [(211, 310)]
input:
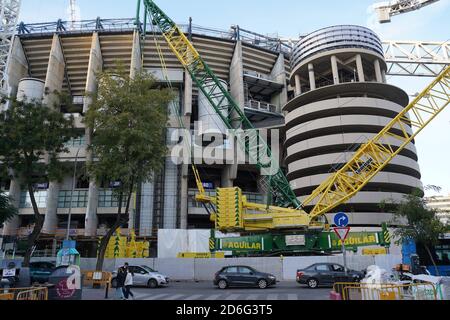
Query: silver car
[(143, 276)]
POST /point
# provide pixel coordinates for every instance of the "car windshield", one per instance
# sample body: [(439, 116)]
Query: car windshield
[(148, 269)]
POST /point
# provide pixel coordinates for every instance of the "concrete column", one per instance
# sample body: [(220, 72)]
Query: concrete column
[(229, 173), (335, 69), (53, 83), (10, 227), (377, 68), (187, 94), (18, 66), (312, 77), (184, 196), (55, 73), (95, 65), (278, 74), (91, 219), (383, 75), (51, 213), (298, 87), (136, 55), (171, 196), (237, 76), (360, 68)]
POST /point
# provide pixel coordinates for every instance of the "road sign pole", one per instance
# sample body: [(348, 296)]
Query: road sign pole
[(344, 253)]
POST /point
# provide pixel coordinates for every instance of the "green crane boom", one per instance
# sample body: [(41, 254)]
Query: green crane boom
[(220, 99)]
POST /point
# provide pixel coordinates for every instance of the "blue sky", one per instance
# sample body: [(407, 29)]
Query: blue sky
[(289, 18)]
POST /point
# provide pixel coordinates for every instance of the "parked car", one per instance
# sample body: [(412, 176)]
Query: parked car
[(326, 274), (143, 276), (243, 276), (40, 271)]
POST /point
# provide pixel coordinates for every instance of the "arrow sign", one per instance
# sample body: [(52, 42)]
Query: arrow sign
[(342, 233), (341, 219)]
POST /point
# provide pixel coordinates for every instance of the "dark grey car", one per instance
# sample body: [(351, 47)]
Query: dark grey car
[(243, 276), (326, 274)]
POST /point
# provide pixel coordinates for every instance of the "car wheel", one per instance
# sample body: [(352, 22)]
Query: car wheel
[(114, 283), (262, 284), (152, 283), (312, 283), (222, 284)]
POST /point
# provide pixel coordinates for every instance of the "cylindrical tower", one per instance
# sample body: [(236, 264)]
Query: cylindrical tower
[(211, 121), (342, 100), (30, 89)]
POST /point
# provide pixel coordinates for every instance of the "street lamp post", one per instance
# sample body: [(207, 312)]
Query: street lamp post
[(71, 194)]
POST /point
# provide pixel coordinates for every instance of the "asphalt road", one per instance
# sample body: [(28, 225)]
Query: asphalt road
[(285, 290)]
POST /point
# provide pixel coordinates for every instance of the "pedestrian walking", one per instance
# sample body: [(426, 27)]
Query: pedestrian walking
[(120, 280), (128, 283)]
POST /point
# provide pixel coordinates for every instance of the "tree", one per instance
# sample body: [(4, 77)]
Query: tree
[(128, 117), (7, 210), (32, 135), (422, 225)]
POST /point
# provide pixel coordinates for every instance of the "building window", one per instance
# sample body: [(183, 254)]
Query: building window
[(76, 142), (106, 199), (40, 196), (79, 199)]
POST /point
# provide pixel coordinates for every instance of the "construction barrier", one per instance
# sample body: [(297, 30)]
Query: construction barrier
[(31, 294), (6, 296), (364, 291), (96, 278)]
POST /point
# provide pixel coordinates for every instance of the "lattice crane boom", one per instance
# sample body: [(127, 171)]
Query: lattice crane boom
[(234, 213), (224, 105), (386, 10), (375, 154), (9, 15)]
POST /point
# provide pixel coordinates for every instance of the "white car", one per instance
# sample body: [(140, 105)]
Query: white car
[(144, 276)]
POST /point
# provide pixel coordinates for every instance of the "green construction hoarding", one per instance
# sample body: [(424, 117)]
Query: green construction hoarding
[(320, 242)]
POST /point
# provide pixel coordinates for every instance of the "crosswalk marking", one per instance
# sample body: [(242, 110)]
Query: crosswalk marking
[(213, 297), (175, 297), (272, 297), (194, 297), (232, 297), (154, 297), (292, 296), (252, 297)]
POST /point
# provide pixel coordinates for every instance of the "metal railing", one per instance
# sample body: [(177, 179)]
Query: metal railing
[(261, 106), (274, 44), (381, 291), (31, 294)]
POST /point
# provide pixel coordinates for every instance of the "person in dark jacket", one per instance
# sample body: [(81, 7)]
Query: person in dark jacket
[(120, 280)]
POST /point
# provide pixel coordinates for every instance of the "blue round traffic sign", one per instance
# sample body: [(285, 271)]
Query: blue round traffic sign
[(341, 219)]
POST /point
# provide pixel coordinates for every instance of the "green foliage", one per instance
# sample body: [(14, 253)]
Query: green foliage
[(422, 224), (29, 133), (7, 210), (128, 117)]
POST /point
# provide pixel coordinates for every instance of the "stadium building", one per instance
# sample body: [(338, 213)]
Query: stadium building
[(326, 95)]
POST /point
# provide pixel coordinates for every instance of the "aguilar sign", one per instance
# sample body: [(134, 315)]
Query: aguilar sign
[(354, 239), (242, 244)]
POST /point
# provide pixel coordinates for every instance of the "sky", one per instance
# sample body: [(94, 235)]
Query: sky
[(289, 19)]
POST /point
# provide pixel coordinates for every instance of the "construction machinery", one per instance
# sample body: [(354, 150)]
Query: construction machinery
[(388, 9), (296, 228)]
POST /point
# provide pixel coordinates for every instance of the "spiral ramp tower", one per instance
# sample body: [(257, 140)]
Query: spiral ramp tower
[(342, 100)]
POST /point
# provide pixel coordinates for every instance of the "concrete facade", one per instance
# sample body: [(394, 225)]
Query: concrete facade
[(69, 62), (342, 101)]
